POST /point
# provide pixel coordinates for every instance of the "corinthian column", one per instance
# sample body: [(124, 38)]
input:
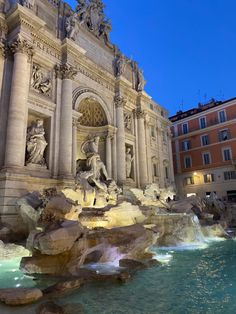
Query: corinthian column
[(120, 139), (16, 127), (67, 74), (143, 176)]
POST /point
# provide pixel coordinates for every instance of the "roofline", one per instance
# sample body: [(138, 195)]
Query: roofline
[(186, 114)]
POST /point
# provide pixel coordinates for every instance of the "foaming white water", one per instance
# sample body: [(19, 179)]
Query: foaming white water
[(163, 258), (103, 268), (206, 241)]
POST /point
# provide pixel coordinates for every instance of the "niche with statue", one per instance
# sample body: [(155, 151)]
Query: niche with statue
[(37, 141)]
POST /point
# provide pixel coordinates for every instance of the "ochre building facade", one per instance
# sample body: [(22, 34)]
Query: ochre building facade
[(204, 150)]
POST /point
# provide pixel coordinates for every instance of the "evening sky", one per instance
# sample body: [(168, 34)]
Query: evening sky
[(185, 47)]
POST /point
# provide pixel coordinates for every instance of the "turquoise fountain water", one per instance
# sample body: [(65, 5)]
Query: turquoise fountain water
[(190, 281)]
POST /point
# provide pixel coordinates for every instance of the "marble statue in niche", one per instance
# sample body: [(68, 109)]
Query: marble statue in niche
[(36, 143), (128, 121), (129, 160), (39, 82), (71, 26)]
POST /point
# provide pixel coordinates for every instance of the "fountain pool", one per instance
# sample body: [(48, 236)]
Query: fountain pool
[(192, 280)]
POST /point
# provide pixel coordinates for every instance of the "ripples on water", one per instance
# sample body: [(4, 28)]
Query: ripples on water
[(189, 281)]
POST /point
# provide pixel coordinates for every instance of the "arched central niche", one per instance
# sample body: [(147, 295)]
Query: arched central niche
[(93, 115)]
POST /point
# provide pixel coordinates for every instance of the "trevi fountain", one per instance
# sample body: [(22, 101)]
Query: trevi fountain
[(89, 217)]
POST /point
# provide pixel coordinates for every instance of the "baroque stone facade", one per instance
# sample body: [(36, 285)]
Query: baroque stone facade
[(62, 83)]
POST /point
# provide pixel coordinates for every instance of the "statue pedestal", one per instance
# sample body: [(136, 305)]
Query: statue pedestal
[(38, 170), (129, 182), (36, 167)]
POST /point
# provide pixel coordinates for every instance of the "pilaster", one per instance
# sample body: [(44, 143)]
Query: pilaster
[(66, 73), (120, 138)]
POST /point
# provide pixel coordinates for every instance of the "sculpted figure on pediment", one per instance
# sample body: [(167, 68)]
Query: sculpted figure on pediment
[(119, 64), (105, 30), (141, 81), (82, 11), (28, 3), (96, 16), (71, 26)]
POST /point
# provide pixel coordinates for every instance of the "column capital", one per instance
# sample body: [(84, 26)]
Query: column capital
[(65, 71), (140, 114), (119, 101), (22, 46), (110, 135)]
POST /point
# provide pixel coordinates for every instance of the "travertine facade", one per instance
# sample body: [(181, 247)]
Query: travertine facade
[(62, 81)]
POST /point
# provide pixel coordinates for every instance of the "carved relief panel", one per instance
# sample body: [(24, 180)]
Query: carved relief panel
[(128, 121), (41, 80)]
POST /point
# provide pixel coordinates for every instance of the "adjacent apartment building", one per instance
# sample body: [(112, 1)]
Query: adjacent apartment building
[(204, 150)]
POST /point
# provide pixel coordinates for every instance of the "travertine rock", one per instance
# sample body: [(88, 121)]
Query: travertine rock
[(121, 215), (56, 241), (30, 209), (109, 245), (10, 251), (60, 208), (215, 230), (20, 296)]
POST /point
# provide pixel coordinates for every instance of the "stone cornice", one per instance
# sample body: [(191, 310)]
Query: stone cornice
[(20, 15), (65, 71)]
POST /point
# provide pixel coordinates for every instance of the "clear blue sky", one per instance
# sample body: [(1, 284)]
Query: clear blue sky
[(187, 48)]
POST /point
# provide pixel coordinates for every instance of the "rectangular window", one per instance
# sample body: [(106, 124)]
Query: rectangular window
[(152, 131), (209, 178), (188, 181), (222, 116), (185, 128), (186, 145), (202, 123), (206, 158), (224, 135), (205, 140), (227, 154), (230, 175), (155, 171), (187, 162), (164, 136)]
